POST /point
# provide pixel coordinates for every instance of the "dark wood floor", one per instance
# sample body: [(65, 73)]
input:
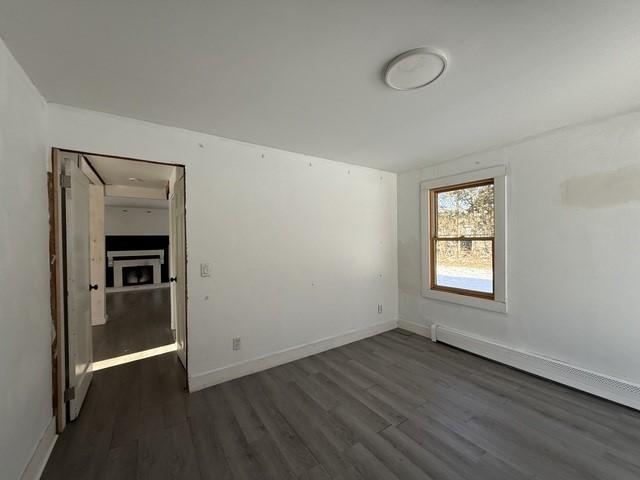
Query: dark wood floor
[(391, 406), (138, 320)]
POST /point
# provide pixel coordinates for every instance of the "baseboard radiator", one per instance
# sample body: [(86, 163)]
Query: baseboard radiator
[(611, 388)]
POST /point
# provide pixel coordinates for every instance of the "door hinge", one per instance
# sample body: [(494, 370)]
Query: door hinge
[(69, 394), (65, 180)]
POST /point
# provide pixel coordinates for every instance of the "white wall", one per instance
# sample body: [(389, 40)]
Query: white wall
[(300, 248), (136, 221), (25, 340), (573, 248)]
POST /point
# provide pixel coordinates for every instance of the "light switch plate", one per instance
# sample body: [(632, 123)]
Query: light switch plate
[(204, 270)]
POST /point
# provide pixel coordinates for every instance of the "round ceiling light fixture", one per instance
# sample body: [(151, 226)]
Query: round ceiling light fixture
[(415, 69)]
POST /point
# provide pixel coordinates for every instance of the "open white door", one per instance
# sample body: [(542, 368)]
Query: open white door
[(178, 269), (78, 299)]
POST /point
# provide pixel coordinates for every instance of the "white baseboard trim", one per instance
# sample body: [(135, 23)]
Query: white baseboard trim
[(247, 367), (605, 386), (35, 467), (416, 328)]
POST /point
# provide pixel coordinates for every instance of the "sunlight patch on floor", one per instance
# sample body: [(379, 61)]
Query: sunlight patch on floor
[(132, 357)]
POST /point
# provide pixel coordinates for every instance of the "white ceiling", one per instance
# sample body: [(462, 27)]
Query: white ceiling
[(305, 75), (118, 171)]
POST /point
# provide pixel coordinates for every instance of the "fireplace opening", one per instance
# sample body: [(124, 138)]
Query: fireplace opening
[(139, 275)]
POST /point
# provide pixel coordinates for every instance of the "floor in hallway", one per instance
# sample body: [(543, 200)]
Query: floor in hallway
[(137, 320)]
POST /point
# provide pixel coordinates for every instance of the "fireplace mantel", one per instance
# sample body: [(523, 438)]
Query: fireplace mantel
[(134, 253)]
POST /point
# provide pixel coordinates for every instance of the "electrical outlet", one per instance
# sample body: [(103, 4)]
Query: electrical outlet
[(236, 343), (379, 308)]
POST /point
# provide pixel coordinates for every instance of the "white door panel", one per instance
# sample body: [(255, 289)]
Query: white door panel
[(79, 334)]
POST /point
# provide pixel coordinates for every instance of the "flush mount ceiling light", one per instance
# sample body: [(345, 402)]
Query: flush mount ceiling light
[(416, 68), (134, 179)]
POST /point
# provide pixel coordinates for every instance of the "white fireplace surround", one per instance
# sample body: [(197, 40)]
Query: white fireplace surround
[(156, 260)]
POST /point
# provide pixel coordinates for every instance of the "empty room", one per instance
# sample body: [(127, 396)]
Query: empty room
[(320, 240)]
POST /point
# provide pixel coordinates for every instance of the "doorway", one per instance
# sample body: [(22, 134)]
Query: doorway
[(120, 280)]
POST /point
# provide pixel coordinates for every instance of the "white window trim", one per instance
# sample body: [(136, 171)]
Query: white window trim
[(499, 304)]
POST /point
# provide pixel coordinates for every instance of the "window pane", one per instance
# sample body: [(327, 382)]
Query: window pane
[(466, 212), (466, 264)]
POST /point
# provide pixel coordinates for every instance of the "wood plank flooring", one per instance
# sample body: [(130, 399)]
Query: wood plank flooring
[(394, 406), (138, 320)]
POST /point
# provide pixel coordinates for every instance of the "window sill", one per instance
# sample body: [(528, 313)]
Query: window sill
[(466, 300)]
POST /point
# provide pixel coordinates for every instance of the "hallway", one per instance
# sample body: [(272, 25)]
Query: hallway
[(138, 320)]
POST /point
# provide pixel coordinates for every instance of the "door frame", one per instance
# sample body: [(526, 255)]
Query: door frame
[(56, 262), (57, 271)]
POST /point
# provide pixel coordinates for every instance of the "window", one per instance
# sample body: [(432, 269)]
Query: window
[(464, 239)]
